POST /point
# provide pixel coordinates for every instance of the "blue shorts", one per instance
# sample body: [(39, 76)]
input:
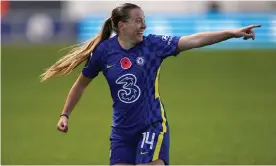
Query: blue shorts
[(149, 145)]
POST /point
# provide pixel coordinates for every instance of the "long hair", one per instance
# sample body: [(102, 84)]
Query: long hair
[(66, 64)]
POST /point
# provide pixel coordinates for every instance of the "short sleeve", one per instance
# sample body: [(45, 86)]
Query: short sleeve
[(93, 63), (164, 45)]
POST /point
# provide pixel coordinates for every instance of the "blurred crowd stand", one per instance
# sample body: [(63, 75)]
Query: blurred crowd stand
[(57, 21)]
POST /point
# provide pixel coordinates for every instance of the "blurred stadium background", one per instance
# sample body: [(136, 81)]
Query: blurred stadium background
[(220, 100)]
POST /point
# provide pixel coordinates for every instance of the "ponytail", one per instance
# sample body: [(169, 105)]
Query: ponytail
[(77, 55)]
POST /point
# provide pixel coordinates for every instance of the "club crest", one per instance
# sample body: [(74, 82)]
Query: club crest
[(140, 61)]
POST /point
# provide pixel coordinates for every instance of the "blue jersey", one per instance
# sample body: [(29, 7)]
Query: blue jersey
[(132, 76)]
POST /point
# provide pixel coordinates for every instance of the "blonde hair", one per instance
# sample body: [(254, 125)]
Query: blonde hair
[(66, 64)]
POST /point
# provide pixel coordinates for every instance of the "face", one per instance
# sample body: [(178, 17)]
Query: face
[(134, 26)]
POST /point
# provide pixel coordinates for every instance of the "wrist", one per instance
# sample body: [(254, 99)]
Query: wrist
[(64, 115), (230, 33)]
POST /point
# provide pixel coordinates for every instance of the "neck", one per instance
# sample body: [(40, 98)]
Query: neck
[(125, 42)]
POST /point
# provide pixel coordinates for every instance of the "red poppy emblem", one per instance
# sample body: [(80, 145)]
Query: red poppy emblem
[(125, 63)]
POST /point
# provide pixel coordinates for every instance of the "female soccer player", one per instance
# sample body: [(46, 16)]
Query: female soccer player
[(131, 64)]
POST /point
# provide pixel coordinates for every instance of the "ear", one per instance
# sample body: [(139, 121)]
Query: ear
[(121, 25)]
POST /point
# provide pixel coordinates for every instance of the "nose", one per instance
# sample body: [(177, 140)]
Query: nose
[(143, 26)]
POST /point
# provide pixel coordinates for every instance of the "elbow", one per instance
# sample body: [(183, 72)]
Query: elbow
[(190, 42), (201, 40)]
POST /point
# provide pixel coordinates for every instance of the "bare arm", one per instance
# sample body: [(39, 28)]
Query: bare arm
[(75, 94), (208, 38)]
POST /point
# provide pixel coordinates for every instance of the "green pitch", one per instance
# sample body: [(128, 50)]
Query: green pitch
[(221, 107)]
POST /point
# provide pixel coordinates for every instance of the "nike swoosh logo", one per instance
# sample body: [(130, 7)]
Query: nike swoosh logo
[(144, 152), (109, 66)]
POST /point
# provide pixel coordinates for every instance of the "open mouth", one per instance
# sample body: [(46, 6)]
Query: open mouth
[(140, 33)]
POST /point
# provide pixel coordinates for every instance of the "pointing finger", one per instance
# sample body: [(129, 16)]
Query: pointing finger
[(253, 26)]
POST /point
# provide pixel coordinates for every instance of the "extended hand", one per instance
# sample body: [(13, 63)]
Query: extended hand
[(245, 32)]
